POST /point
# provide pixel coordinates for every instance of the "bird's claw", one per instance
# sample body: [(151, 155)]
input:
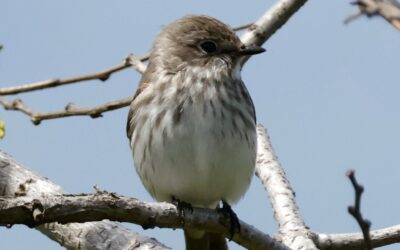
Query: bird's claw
[(181, 206), (235, 224)]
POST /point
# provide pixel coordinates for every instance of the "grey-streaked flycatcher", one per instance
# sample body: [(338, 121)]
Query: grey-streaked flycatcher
[(192, 123)]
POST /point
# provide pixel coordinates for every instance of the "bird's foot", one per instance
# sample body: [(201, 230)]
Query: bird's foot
[(235, 224), (181, 206)]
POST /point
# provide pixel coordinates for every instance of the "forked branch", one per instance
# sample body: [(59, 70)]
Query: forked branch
[(70, 110), (257, 32), (15, 180), (103, 75), (355, 210)]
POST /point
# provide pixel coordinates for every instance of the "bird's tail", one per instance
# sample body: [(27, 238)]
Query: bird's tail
[(199, 240)]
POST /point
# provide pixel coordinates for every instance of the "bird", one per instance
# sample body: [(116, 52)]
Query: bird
[(192, 122)]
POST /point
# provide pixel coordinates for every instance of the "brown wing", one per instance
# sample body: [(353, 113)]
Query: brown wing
[(144, 82)]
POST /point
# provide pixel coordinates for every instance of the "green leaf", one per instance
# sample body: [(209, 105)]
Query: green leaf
[(2, 129)]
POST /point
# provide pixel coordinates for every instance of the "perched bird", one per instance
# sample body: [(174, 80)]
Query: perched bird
[(192, 123)]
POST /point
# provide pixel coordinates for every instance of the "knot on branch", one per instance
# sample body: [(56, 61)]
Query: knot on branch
[(37, 212), (70, 107), (137, 63), (22, 189), (104, 77), (16, 104), (95, 115), (35, 120), (367, 7)]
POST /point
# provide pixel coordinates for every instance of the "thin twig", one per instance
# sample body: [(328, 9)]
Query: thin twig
[(352, 17), (243, 27), (256, 33), (355, 210), (129, 61), (388, 9), (103, 75), (70, 110)]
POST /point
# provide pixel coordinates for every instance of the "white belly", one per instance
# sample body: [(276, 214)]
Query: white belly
[(202, 160)]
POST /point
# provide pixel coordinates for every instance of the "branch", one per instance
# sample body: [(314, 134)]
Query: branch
[(129, 61), (18, 181), (388, 9), (292, 228), (243, 27), (96, 207), (270, 22), (257, 33), (69, 110), (355, 210), (355, 241)]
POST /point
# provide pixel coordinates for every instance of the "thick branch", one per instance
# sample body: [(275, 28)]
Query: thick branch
[(70, 110), (355, 241), (292, 228), (18, 181), (388, 9), (130, 61), (96, 207)]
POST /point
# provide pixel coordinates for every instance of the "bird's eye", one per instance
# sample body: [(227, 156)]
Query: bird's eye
[(208, 47)]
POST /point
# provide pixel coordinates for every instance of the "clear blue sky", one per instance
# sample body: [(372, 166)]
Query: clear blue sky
[(328, 93)]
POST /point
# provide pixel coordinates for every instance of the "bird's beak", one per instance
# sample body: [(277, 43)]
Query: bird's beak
[(250, 50)]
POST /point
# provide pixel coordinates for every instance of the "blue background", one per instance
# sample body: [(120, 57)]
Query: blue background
[(328, 94)]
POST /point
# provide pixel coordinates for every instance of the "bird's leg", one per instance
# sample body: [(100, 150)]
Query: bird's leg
[(181, 206), (235, 224)]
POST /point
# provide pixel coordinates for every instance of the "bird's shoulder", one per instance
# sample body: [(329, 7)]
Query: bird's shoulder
[(145, 81)]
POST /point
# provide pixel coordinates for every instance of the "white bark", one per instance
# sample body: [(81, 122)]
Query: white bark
[(270, 22), (15, 180), (292, 228), (355, 241)]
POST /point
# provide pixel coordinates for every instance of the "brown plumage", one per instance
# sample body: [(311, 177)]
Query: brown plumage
[(191, 124)]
